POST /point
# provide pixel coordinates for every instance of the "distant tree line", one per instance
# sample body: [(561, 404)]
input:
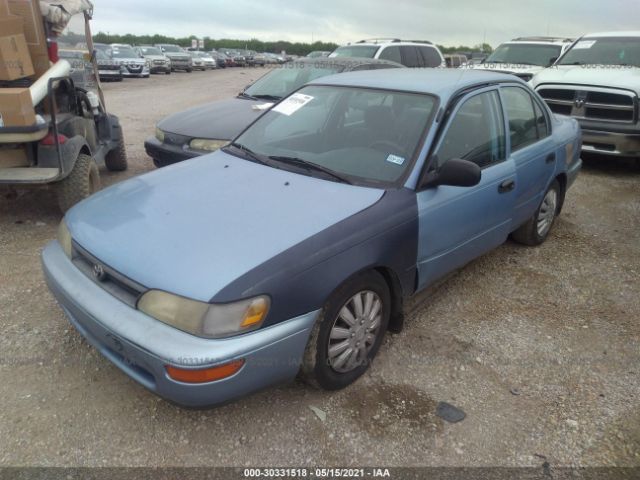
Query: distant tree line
[(253, 44)]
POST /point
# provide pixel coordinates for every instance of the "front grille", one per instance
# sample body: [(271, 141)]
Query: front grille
[(116, 284), (591, 103)]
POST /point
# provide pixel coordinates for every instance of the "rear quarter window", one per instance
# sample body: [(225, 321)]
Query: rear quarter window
[(431, 57)]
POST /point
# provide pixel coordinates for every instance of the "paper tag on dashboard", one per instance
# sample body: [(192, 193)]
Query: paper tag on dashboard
[(395, 159), (262, 106), (584, 44), (292, 104)]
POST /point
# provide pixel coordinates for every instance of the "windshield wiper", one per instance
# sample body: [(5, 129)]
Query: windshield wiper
[(249, 153), (298, 162), (274, 98), (246, 96)]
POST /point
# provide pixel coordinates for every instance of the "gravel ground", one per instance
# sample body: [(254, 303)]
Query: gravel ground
[(539, 346)]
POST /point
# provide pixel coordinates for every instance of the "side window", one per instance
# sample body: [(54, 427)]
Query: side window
[(431, 58), (410, 56), (523, 127), (476, 132), (541, 119), (391, 53)]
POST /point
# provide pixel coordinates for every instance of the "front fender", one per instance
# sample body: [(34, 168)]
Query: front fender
[(384, 236)]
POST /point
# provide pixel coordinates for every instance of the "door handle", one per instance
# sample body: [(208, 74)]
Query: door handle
[(551, 158), (507, 186)]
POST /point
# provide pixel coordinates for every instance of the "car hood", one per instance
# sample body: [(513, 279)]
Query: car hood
[(627, 78), (193, 228), (222, 120), (177, 55), (129, 61), (155, 57)]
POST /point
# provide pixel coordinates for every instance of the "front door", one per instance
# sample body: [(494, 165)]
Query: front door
[(458, 224)]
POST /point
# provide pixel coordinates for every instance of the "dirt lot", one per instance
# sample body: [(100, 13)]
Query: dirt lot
[(539, 346)]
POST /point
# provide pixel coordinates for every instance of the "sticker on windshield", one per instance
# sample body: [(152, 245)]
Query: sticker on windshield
[(292, 104), (584, 44), (395, 159)]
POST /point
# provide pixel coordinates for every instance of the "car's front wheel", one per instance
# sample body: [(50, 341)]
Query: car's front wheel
[(537, 228), (348, 333)]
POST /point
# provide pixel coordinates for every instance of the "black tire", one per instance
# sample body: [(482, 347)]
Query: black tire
[(317, 369), (168, 72), (189, 70), (529, 233), (116, 159), (83, 180)]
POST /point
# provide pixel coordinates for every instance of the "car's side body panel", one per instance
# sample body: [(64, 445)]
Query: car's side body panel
[(301, 278)]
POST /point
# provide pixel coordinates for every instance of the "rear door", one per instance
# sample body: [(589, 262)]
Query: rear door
[(458, 224), (532, 148)]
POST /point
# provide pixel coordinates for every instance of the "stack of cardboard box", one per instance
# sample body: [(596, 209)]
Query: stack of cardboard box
[(23, 54)]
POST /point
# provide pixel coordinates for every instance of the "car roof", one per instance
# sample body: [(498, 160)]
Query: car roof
[(613, 34), (346, 61), (441, 82), (543, 40)]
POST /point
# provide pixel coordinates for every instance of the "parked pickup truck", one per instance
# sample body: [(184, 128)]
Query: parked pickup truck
[(597, 82)]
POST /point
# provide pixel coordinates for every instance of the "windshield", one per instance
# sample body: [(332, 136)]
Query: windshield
[(123, 52), (150, 51), (172, 48), (356, 51), (281, 82), (525, 54), (604, 51), (361, 135)]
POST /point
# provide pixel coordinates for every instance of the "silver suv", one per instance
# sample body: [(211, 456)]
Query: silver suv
[(409, 54), (180, 58)]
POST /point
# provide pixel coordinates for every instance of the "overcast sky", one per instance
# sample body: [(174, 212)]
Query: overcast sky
[(451, 22)]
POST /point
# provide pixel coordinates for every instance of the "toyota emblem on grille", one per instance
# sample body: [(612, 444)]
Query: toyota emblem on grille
[(99, 273), (579, 103)]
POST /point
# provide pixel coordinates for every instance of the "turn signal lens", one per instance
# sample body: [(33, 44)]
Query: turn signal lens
[(255, 313), (206, 375)]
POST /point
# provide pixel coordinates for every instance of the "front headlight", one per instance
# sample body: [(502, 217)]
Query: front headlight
[(159, 135), (204, 319), (64, 238), (207, 145)]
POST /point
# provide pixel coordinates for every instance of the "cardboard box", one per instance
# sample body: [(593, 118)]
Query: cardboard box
[(15, 58), (16, 108), (29, 11), (13, 157)]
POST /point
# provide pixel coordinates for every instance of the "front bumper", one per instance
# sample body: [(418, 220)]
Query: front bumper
[(130, 71), (142, 347), (164, 154), (109, 74), (610, 143)]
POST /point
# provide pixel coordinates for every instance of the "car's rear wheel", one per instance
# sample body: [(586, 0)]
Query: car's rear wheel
[(348, 333), (83, 180), (536, 230), (116, 159)]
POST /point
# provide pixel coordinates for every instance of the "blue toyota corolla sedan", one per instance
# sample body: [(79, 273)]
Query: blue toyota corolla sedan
[(292, 249)]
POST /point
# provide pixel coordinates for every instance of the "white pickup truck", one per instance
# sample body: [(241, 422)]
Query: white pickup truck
[(597, 82)]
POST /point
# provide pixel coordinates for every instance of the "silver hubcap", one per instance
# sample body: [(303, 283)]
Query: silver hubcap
[(354, 331), (547, 212)]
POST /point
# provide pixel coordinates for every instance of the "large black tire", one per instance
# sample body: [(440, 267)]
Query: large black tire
[(83, 180), (318, 367), (189, 70), (116, 159), (530, 233)]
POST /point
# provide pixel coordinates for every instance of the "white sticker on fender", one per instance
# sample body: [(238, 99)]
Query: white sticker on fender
[(292, 104)]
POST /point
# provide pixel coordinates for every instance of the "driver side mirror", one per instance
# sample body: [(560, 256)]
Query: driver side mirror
[(454, 173)]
